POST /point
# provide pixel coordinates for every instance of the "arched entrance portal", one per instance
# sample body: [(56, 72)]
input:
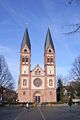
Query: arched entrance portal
[(37, 97)]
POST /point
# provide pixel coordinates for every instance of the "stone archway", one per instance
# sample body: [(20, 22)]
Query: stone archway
[(37, 97)]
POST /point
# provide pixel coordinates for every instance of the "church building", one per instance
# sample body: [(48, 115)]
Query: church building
[(37, 85)]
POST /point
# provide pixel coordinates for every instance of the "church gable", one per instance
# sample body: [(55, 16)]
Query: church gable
[(37, 71)]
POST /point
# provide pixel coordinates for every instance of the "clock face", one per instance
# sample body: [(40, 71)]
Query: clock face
[(50, 69), (24, 69), (37, 82)]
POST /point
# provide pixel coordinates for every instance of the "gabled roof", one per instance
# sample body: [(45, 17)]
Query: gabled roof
[(37, 68), (48, 40), (26, 40)]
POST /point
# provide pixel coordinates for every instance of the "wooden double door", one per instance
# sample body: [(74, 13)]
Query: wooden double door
[(37, 99)]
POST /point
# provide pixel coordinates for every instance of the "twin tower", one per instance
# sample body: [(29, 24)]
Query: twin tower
[(37, 85)]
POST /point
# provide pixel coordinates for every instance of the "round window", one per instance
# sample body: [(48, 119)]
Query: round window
[(49, 50), (25, 50), (37, 82)]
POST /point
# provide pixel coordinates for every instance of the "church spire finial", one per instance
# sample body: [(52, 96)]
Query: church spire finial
[(26, 24)]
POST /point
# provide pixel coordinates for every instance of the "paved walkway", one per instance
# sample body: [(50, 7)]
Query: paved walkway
[(40, 113)]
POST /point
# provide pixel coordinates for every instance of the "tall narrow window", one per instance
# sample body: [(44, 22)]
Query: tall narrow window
[(24, 82), (51, 60), (48, 59), (23, 59), (24, 92), (26, 59), (50, 92), (50, 82)]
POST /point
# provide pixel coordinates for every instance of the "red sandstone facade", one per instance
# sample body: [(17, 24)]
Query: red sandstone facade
[(37, 85)]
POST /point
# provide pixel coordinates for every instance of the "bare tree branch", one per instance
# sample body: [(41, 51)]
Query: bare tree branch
[(6, 79), (70, 2), (76, 69), (74, 31), (77, 25)]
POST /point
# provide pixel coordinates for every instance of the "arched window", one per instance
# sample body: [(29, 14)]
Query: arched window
[(23, 59), (48, 59), (24, 82), (24, 92), (50, 92), (51, 59), (37, 72), (26, 59), (50, 82)]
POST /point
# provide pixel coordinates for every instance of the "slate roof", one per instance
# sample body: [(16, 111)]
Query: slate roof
[(26, 40), (48, 40)]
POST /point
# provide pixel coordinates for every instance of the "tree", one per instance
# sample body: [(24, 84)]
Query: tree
[(76, 25), (11, 95), (6, 79), (59, 89), (75, 73), (71, 89)]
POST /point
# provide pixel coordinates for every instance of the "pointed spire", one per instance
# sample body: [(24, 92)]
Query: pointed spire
[(26, 40), (48, 40)]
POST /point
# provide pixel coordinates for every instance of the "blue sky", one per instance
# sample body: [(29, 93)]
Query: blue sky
[(38, 15)]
